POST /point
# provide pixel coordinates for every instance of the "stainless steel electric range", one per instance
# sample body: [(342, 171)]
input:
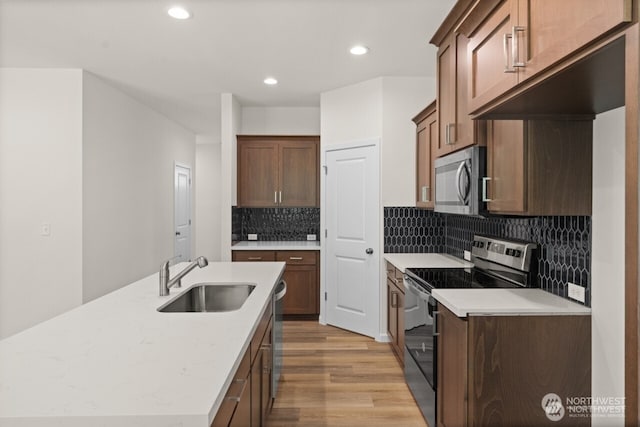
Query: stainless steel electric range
[(498, 263)]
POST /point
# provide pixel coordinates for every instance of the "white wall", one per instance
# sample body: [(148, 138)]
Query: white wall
[(208, 205), (280, 121), (40, 182), (402, 99), (128, 195), (607, 265), (231, 123)]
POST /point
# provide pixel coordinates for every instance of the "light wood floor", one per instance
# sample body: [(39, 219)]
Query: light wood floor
[(332, 377)]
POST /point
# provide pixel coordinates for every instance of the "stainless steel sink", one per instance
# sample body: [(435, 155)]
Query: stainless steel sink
[(210, 297)]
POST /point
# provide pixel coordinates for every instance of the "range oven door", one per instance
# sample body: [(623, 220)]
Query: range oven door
[(458, 177), (420, 348)]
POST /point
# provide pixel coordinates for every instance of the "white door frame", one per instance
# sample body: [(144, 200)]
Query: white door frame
[(375, 142), (175, 204)]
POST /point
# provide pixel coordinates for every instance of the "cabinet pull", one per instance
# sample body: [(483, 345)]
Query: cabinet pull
[(425, 193), (255, 258), (275, 197), (295, 258), (435, 324), (485, 183), (447, 133), (515, 48), (505, 45), (239, 396), (394, 300), (280, 197)]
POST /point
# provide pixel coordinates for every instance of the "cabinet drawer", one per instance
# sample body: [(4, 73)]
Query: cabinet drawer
[(256, 341), (235, 392), (297, 257), (253, 256)]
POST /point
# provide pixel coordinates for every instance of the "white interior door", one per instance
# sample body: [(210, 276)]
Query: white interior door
[(182, 214), (352, 219)]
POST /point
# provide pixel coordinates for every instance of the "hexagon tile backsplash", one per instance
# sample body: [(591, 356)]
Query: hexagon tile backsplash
[(565, 241)]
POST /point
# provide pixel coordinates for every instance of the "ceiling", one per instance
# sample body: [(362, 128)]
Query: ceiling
[(180, 68)]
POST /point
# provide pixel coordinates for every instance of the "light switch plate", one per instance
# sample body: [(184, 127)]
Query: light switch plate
[(311, 237), (576, 292), (467, 255), (252, 237)]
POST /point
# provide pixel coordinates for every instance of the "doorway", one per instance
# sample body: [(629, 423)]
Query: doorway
[(182, 213)]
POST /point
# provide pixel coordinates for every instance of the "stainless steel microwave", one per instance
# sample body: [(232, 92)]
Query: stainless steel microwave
[(458, 182)]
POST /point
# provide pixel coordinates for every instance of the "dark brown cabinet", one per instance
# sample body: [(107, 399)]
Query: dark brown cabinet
[(395, 311), (521, 38), (278, 171), (456, 129), (539, 167), (495, 370), (302, 275), (261, 372), (426, 139)]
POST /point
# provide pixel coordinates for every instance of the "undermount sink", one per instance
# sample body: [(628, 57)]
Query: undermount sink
[(210, 297)]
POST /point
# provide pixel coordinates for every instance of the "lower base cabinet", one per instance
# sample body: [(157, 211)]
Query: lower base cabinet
[(248, 400), (496, 370), (395, 311)]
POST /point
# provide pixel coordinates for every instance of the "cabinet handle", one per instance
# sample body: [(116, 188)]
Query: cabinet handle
[(295, 258), (280, 196), (425, 193), (515, 48), (275, 197), (394, 300), (485, 183), (255, 258), (505, 45), (435, 324), (239, 396), (447, 133)]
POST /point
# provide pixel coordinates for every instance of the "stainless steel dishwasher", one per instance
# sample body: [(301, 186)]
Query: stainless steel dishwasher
[(276, 337)]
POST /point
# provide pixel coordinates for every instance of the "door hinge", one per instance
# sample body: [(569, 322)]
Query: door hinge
[(326, 169), (325, 296), (189, 181), (325, 233), (189, 222)]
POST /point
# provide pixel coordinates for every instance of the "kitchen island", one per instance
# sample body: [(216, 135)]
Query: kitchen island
[(117, 361)]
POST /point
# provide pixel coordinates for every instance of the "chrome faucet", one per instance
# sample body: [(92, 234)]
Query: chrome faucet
[(166, 283)]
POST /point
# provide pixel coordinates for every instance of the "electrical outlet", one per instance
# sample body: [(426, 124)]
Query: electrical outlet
[(252, 237), (45, 229), (311, 237), (576, 292), (467, 255)]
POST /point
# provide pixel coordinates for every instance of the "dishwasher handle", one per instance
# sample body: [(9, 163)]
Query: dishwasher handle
[(282, 292)]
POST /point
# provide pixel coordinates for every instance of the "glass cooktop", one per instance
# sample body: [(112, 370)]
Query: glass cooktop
[(453, 278)]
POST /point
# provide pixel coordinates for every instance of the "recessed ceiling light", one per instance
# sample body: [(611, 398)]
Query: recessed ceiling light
[(359, 50), (179, 12), (270, 81)]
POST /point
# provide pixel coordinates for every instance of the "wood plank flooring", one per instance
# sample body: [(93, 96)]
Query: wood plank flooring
[(332, 377)]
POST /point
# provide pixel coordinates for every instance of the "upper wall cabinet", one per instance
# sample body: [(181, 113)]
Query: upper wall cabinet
[(511, 41), (456, 129), (426, 140), (278, 171)]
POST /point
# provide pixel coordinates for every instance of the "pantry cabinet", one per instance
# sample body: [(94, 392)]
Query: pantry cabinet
[(517, 39), (495, 370), (539, 167), (426, 139), (456, 129), (278, 171)]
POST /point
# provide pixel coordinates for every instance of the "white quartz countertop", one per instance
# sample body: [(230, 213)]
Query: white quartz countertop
[(506, 302), (117, 361), (432, 260), (261, 245)]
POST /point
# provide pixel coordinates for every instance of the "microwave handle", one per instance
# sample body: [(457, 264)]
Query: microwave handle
[(458, 175)]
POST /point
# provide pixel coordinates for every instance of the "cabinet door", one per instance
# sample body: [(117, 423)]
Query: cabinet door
[(506, 166), (491, 70), (400, 313), (452, 364), (267, 355), (554, 29), (257, 173), (242, 415), (298, 174), (392, 313), (446, 95), (256, 390), (427, 134), (302, 290)]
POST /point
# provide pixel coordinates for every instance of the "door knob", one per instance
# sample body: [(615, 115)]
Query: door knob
[(369, 251)]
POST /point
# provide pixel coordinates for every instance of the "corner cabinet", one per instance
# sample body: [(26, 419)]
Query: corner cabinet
[(517, 39), (302, 274), (495, 370), (395, 311), (456, 129), (426, 139), (539, 167), (278, 171)]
